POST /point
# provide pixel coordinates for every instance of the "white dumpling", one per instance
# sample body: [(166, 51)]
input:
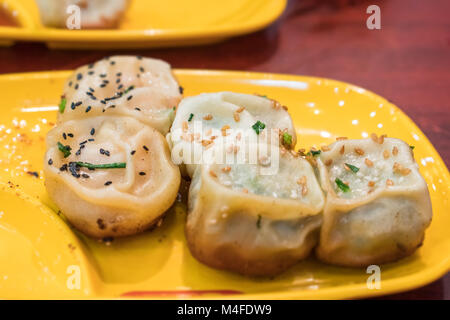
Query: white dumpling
[(217, 121), (242, 220), (142, 88), (139, 184), (94, 14), (377, 205)]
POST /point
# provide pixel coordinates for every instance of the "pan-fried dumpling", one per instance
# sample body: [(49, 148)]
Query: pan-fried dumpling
[(243, 219), (142, 88), (216, 121), (94, 14), (110, 176), (377, 205)]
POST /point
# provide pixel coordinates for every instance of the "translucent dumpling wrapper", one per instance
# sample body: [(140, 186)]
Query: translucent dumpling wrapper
[(217, 121), (377, 205), (142, 88), (110, 176), (247, 221), (93, 14)]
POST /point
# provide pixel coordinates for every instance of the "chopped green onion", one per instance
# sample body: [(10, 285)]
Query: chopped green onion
[(287, 139), (353, 168), (64, 149), (258, 126), (62, 105), (190, 117), (258, 222), (341, 185), (314, 153), (116, 165)]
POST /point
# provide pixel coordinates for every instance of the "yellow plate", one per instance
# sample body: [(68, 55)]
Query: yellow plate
[(40, 254), (150, 23)]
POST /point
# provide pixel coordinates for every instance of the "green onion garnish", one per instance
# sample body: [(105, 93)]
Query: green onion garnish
[(287, 139), (62, 105), (341, 185), (190, 117), (64, 149), (353, 168), (314, 153), (116, 165), (258, 126)]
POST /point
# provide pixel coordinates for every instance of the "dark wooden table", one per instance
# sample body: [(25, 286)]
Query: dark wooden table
[(407, 61)]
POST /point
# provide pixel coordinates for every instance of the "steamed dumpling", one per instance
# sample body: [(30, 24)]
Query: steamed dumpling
[(243, 219), (142, 88), (94, 14), (110, 176), (218, 121), (377, 205)]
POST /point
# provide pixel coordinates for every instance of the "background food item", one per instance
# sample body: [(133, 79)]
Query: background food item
[(377, 205), (141, 88), (94, 14), (225, 119), (110, 176), (254, 224)]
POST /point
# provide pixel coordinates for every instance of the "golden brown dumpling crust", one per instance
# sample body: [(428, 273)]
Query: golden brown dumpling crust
[(236, 224)]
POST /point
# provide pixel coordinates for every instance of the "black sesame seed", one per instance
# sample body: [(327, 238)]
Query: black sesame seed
[(92, 131), (63, 167), (118, 80), (50, 162), (137, 109), (91, 139), (133, 152), (145, 148), (33, 173), (86, 176), (102, 151), (119, 74), (129, 98), (88, 109), (142, 173), (90, 66), (102, 85), (181, 89), (139, 57), (120, 87), (112, 63), (79, 76), (103, 75), (90, 73), (91, 90), (70, 135), (64, 136), (70, 83), (76, 86), (107, 183), (141, 69)]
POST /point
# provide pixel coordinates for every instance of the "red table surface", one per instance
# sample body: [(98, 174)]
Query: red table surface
[(407, 62)]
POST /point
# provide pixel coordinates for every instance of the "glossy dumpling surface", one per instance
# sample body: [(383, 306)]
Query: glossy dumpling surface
[(219, 121), (377, 206), (254, 224), (142, 88), (110, 176)]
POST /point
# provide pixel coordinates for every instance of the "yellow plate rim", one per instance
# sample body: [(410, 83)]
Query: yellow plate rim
[(143, 35)]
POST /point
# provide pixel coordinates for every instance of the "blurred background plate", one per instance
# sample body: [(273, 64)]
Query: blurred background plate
[(147, 23), (39, 252)]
